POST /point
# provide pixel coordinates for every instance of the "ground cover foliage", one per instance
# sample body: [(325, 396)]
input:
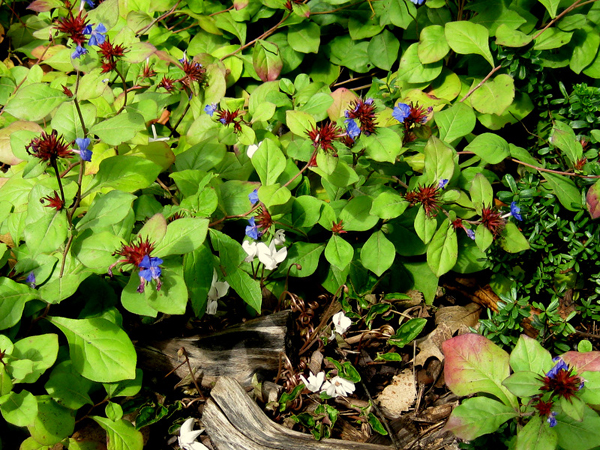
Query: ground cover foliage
[(205, 161)]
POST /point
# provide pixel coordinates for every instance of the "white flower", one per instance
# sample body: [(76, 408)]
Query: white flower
[(279, 238), (341, 322), (187, 437), (269, 256), (314, 383), (217, 290), (155, 138), (252, 149), (338, 386), (250, 249)]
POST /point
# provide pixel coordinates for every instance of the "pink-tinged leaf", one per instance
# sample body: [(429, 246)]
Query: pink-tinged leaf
[(44, 5), (301, 10), (266, 60), (240, 4), (478, 416), (475, 364), (342, 98), (583, 362), (592, 200)]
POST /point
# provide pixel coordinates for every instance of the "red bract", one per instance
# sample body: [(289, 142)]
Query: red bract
[(167, 83), (263, 219), (544, 408), (338, 228), (492, 220), (231, 117), (428, 196), (418, 115), (193, 72), (49, 147), (133, 253), (563, 384), (53, 202), (73, 27), (324, 135), (110, 53), (67, 91), (364, 111)]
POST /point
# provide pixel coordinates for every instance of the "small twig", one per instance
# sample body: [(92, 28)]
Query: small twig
[(237, 216), (166, 188), (158, 19), (266, 34), (301, 170), (187, 360), (558, 172), (557, 18), (382, 418)]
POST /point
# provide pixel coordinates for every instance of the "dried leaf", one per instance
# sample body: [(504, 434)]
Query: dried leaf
[(398, 396), (431, 345)]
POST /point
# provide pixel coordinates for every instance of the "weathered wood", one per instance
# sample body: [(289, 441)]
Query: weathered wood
[(238, 352), (233, 421)]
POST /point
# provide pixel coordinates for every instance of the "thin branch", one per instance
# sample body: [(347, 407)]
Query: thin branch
[(558, 172), (158, 19), (266, 34), (301, 170), (487, 77)]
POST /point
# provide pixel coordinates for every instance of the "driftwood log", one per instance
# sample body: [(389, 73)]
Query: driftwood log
[(240, 352), (233, 421)]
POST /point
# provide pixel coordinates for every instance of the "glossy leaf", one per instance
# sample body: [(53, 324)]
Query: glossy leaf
[(378, 253), (442, 251), (478, 416), (469, 38), (529, 355)]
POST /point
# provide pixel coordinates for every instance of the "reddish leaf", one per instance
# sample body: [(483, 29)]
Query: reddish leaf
[(266, 60), (583, 362), (475, 364), (592, 200)]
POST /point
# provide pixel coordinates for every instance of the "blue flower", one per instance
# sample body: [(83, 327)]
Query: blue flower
[(442, 184), (31, 280), (552, 419), (223, 121), (369, 101), (352, 129), (84, 153), (418, 2), (79, 52), (252, 229), (150, 270), (97, 36), (401, 112), (515, 211), (560, 365), (210, 109), (89, 2), (470, 233), (253, 197)]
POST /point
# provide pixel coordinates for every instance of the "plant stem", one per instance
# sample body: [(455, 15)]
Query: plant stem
[(487, 77), (301, 170)]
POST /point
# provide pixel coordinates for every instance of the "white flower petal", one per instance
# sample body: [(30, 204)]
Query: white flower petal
[(222, 287), (187, 427), (341, 322), (211, 307), (252, 149), (250, 248), (279, 238)]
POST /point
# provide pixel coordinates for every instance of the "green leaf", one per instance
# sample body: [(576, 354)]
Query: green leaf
[(536, 435), (119, 129), (106, 210), (467, 38), (121, 435), (407, 332), (318, 105), (478, 416), (355, 215), (442, 251), (305, 37), (269, 162), (339, 252), (198, 274), (34, 102), (483, 237), (45, 228), (573, 408), (383, 146), (510, 37), (529, 355), (455, 122), (575, 435), (126, 388), (586, 42), (378, 253), (439, 160), (67, 387), (388, 205), (53, 422), (551, 6), (383, 50), (432, 44), (100, 350), (512, 239), (490, 147), (125, 173), (412, 70), (305, 254), (475, 364), (524, 383), (564, 138), (231, 256), (494, 96), (300, 123), (552, 38), (42, 350), (425, 226), (183, 236), (67, 122), (19, 409), (565, 190), (14, 296), (481, 192), (306, 211)]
